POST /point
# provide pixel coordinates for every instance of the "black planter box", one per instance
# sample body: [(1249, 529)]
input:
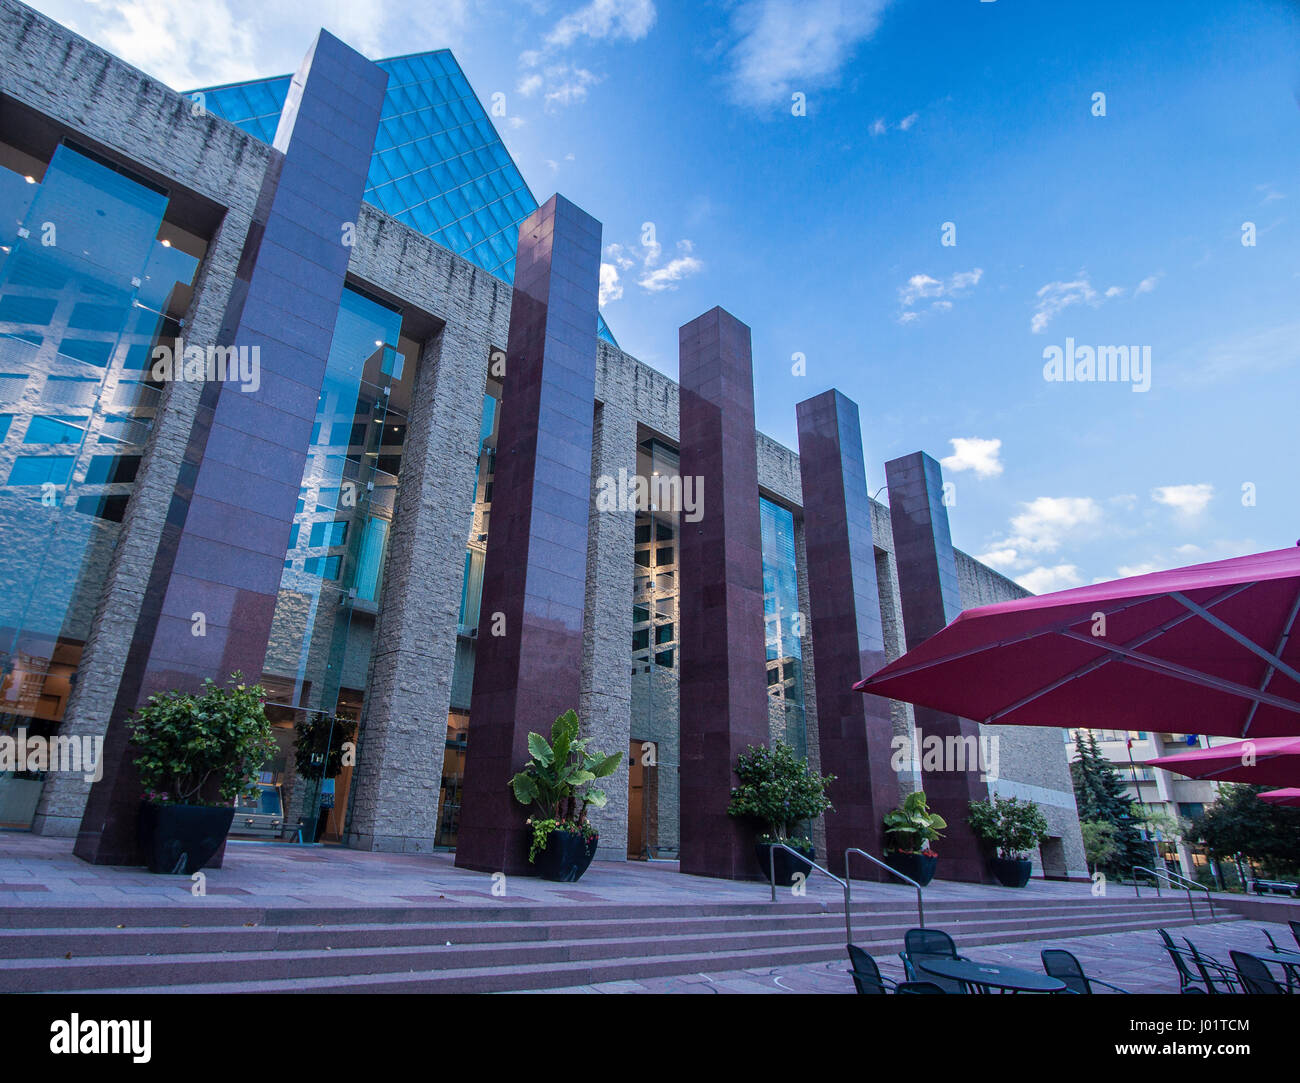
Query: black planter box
[(1012, 871), (565, 857), (917, 866), (182, 839), (786, 863)]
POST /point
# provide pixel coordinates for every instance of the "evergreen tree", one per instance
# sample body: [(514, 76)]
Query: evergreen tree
[(1099, 793), (1240, 823)]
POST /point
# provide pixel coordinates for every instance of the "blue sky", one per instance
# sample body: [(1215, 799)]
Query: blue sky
[(823, 231)]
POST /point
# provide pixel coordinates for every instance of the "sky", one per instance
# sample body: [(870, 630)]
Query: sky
[(922, 203)]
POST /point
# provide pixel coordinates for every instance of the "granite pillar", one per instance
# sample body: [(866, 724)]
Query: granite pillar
[(221, 553), (528, 668), (854, 730), (931, 598), (723, 684)]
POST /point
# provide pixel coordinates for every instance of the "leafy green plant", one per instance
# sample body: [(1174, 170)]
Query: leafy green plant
[(1014, 826), (318, 745), (558, 779), (1100, 845), (190, 744), (911, 827), (779, 790)]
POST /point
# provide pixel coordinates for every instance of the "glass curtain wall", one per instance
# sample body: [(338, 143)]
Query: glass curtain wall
[(323, 629), (655, 656), (93, 276), (782, 626), (467, 626)]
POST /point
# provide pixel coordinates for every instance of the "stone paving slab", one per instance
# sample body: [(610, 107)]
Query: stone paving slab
[(261, 874), (1135, 961)]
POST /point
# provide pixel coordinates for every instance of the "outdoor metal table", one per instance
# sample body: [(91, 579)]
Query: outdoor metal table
[(985, 976)]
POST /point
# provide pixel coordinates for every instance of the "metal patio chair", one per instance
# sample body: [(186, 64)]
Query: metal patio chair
[(919, 944), (1255, 975), (1217, 977), (1059, 963), (918, 987), (1187, 980), (866, 974)]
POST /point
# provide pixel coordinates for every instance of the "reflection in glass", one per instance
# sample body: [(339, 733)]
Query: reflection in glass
[(92, 277)]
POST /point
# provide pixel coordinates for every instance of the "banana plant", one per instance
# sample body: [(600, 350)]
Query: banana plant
[(912, 825), (557, 780)]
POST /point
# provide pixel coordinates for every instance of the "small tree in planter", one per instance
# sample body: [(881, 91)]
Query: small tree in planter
[(198, 753), (557, 783), (1014, 828), (910, 829), (780, 791)]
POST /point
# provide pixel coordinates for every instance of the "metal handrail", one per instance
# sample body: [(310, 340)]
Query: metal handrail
[(1175, 880), (771, 869), (920, 906)]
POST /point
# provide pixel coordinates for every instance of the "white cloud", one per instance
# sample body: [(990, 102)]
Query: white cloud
[(999, 558), (1187, 500), (605, 20), (611, 289), (194, 45), (878, 126), (667, 276), (567, 85), (1146, 567), (1055, 297), (1047, 521), (923, 287), (974, 453), (1045, 580), (529, 84), (908, 121), (652, 278), (783, 46)]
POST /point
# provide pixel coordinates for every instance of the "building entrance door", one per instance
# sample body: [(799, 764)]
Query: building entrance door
[(642, 800)]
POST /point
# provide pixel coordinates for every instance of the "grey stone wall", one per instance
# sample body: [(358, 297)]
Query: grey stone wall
[(404, 722), (605, 700)]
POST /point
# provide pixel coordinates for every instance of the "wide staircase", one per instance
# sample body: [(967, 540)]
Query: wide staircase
[(222, 948)]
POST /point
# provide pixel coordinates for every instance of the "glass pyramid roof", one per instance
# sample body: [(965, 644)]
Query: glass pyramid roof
[(439, 165)]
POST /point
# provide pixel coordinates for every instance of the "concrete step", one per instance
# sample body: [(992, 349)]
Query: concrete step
[(212, 911), (518, 975), (745, 937), (92, 941)]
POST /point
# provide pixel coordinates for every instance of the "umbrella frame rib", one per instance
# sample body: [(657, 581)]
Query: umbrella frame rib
[(1268, 673), (1173, 669), (1097, 663), (1227, 629)]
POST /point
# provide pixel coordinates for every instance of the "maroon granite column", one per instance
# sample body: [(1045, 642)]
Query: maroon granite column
[(931, 597), (222, 549), (854, 731), (723, 658), (535, 572)]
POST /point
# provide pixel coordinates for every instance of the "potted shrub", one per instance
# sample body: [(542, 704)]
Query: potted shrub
[(198, 753), (1012, 828), (909, 830), (779, 791), (557, 783)]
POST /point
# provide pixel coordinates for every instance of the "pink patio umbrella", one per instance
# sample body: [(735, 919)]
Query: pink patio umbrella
[(1204, 649), (1288, 796), (1268, 761)]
